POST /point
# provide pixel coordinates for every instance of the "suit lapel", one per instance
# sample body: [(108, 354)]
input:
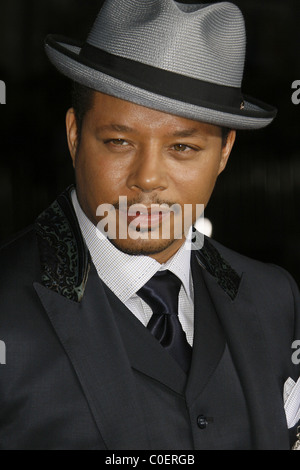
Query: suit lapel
[(91, 340), (245, 339), (209, 340)]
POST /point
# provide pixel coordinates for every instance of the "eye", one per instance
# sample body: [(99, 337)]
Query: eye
[(182, 147), (117, 142)]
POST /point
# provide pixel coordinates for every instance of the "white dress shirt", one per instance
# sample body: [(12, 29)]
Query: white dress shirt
[(125, 274)]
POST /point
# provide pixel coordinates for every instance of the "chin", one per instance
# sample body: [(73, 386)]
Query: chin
[(142, 247)]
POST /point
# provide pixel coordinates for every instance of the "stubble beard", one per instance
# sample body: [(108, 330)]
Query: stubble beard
[(139, 247)]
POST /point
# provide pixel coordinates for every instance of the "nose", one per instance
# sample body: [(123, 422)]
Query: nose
[(147, 172)]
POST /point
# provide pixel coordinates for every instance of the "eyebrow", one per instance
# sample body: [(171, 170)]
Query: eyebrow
[(115, 127), (187, 133), (123, 128)]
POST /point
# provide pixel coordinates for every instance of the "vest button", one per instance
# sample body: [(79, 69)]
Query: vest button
[(202, 421)]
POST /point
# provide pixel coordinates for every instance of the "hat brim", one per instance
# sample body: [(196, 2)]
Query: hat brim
[(65, 56)]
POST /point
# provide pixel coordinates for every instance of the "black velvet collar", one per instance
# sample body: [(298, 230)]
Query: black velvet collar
[(65, 260)]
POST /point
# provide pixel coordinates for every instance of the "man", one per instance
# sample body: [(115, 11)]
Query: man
[(117, 336)]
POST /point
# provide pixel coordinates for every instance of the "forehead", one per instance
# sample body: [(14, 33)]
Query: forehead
[(108, 111)]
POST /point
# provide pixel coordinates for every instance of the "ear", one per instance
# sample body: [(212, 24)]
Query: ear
[(226, 150), (72, 134)]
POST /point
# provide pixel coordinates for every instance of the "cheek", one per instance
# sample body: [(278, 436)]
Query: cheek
[(93, 185), (195, 183), (98, 174)]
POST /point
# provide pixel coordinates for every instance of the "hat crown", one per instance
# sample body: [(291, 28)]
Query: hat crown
[(202, 41)]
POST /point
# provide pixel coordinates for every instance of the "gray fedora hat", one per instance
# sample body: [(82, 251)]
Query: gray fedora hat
[(182, 59)]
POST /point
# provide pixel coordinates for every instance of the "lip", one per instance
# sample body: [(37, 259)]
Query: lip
[(145, 217)]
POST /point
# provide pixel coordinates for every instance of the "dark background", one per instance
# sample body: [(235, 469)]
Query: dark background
[(255, 206)]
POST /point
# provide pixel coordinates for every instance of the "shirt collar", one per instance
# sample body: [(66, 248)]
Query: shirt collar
[(125, 274)]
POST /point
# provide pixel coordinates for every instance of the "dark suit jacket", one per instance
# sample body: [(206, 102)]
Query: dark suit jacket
[(82, 372)]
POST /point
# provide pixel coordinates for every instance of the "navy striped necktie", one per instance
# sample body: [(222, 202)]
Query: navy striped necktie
[(161, 294)]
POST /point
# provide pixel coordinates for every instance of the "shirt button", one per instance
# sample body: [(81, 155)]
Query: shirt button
[(202, 421)]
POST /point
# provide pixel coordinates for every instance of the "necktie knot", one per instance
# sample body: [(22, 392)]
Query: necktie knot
[(161, 293)]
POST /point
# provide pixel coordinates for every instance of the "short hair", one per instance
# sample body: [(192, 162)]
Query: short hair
[(82, 102)]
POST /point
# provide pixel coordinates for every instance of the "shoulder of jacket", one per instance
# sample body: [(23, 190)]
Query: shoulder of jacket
[(260, 269), (19, 255)]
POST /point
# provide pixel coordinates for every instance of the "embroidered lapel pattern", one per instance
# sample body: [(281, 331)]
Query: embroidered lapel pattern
[(227, 278), (63, 254)]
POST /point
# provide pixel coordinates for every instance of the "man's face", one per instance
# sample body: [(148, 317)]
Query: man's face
[(149, 157)]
